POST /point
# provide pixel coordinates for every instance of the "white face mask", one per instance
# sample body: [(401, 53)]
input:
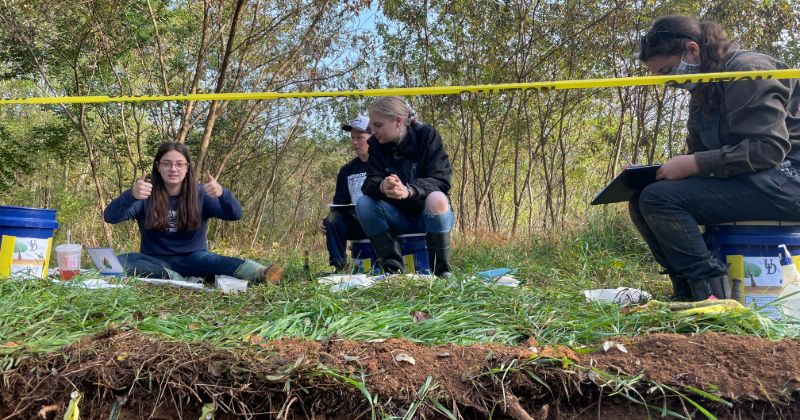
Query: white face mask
[(685, 68)]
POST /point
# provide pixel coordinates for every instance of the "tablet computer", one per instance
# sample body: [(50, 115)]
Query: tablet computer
[(627, 184)]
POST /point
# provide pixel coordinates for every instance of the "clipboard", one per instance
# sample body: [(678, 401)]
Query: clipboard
[(626, 184)]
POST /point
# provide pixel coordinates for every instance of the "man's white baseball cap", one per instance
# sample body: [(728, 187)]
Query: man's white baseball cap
[(361, 123)]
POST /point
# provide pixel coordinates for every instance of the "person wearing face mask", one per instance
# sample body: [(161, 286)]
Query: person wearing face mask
[(408, 179), (341, 223), (743, 153)]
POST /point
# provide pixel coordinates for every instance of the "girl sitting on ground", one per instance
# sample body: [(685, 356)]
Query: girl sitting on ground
[(172, 214)]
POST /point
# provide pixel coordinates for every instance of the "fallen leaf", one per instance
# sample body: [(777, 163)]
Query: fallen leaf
[(215, 368), (10, 344), (418, 316), (194, 326), (402, 357), (208, 411), (47, 409), (73, 410), (608, 345), (254, 339), (532, 342), (376, 340), (443, 354), (122, 356), (350, 358)]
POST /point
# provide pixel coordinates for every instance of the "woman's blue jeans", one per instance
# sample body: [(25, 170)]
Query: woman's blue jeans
[(378, 216), (195, 264)]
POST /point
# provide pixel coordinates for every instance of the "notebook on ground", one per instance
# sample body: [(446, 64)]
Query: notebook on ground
[(626, 184)]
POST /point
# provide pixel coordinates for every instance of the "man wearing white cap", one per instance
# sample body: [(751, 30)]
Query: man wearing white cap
[(341, 223)]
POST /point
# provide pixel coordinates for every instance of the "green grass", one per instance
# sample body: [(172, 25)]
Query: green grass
[(548, 305), (41, 316)]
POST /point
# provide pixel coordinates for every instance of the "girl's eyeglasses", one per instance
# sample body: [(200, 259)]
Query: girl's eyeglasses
[(166, 164)]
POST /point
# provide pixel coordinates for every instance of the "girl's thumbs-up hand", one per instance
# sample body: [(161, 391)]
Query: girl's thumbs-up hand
[(141, 188), (212, 187)]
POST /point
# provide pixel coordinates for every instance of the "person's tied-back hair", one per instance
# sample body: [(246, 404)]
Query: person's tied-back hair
[(669, 36), (188, 210), (393, 106)]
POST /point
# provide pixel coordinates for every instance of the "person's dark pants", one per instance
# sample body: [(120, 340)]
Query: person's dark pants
[(667, 214), (195, 264), (341, 226)]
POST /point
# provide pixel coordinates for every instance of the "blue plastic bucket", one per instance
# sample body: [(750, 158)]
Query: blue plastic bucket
[(754, 247), (414, 248), (27, 239), (363, 256)]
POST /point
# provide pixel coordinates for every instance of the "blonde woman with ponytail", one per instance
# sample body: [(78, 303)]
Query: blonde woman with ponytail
[(408, 179), (743, 153)]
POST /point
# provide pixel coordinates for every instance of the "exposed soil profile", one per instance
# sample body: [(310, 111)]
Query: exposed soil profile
[(135, 375)]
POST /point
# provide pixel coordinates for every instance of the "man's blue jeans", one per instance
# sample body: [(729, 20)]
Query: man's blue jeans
[(378, 216), (197, 264), (341, 225), (667, 214)]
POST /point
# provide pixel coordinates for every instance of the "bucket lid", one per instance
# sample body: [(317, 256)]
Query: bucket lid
[(28, 217)]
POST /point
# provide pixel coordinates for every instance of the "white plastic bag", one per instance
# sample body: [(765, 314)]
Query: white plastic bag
[(620, 295)]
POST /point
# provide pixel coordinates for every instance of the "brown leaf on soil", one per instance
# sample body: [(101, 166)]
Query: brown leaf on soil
[(254, 339), (418, 316), (349, 358), (216, 368), (402, 357), (47, 409), (531, 342), (558, 352)]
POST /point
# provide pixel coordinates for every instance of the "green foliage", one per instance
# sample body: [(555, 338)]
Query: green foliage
[(524, 162)]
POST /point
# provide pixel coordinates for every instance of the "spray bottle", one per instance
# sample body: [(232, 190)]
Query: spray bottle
[(789, 295)]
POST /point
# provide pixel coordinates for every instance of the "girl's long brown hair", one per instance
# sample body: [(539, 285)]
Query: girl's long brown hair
[(188, 211), (669, 36)]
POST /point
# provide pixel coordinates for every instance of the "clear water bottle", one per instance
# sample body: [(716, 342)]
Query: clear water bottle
[(789, 296)]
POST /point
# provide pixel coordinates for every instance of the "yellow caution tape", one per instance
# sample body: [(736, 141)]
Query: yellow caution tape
[(430, 90)]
